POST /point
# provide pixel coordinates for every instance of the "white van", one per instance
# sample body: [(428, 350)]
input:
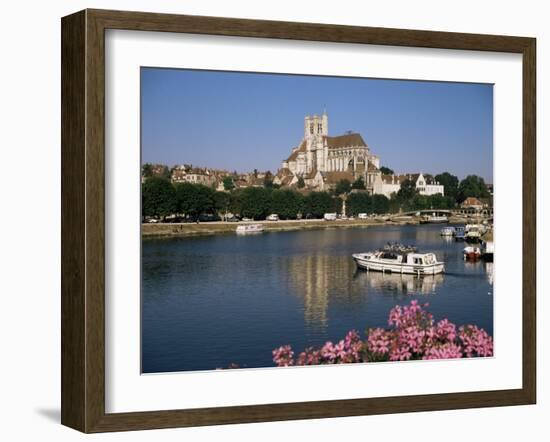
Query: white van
[(329, 217), (362, 216), (273, 217)]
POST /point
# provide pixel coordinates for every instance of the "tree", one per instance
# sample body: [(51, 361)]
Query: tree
[(301, 183), (380, 204), (407, 190), (386, 170), (195, 199), (255, 202), (221, 202), (439, 201), (286, 203), (472, 186), (317, 204), (359, 203), (228, 183), (158, 197), (359, 184), (268, 179), (166, 173), (450, 182), (343, 186), (147, 170), (420, 202)]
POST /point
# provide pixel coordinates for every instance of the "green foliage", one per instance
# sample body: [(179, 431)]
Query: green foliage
[(450, 182), (407, 190), (386, 170), (316, 204), (380, 204), (268, 180), (359, 203), (343, 186), (166, 173), (301, 183), (158, 197), (359, 184), (147, 170), (286, 203), (228, 183), (221, 201), (194, 199), (474, 186), (255, 202), (236, 202)]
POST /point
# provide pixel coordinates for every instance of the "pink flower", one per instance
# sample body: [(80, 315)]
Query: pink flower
[(412, 334)]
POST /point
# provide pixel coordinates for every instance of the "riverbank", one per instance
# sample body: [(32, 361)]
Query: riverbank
[(215, 228)]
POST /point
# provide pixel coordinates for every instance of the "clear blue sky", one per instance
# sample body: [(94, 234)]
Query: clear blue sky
[(246, 121)]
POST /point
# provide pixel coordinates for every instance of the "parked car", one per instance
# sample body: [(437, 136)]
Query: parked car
[(330, 217), (362, 216), (273, 217)]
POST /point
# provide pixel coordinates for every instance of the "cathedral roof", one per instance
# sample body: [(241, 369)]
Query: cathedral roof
[(335, 177), (348, 140), (371, 167), (294, 154)]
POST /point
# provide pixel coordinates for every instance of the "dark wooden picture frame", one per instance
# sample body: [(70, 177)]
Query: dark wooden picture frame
[(83, 220)]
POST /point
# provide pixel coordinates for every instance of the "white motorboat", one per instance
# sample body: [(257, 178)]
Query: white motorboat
[(250, 228), (473, 233), (434, 219), (400, 260), (447, 231)]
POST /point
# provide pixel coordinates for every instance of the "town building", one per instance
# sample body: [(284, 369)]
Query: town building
[(387, 184), (195, 175)]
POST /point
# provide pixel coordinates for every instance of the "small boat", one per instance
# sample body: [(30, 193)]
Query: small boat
[(406, 261), (447, 231), (250, 228), (472, 253), (459, 234), (473, 234), (434, 219)]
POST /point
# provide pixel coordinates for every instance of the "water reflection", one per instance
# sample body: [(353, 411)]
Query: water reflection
[(319, 278), (208, 302), (398, 284)]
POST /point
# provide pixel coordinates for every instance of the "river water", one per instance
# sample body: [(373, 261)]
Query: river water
[(211, 301)]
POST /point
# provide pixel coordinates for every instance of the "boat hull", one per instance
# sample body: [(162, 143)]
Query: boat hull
[(404, 269)]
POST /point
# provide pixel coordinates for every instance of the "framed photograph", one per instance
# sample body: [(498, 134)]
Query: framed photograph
[(268, 220)]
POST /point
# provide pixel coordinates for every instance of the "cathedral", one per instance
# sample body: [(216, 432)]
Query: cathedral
[(321, 160)]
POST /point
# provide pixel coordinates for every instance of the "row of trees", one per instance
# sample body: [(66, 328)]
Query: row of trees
[(161, 198)]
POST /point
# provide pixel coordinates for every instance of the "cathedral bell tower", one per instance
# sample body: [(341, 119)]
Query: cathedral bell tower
[(315, 125)]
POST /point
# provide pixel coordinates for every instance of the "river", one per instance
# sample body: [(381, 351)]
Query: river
[(208, 302)]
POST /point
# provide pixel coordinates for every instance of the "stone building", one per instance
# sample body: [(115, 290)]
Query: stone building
[(322, 160)]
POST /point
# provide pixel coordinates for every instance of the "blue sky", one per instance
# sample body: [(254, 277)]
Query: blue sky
[(246, 121)]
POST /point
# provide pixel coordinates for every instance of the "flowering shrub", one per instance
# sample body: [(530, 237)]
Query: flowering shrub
[(412, 334)]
